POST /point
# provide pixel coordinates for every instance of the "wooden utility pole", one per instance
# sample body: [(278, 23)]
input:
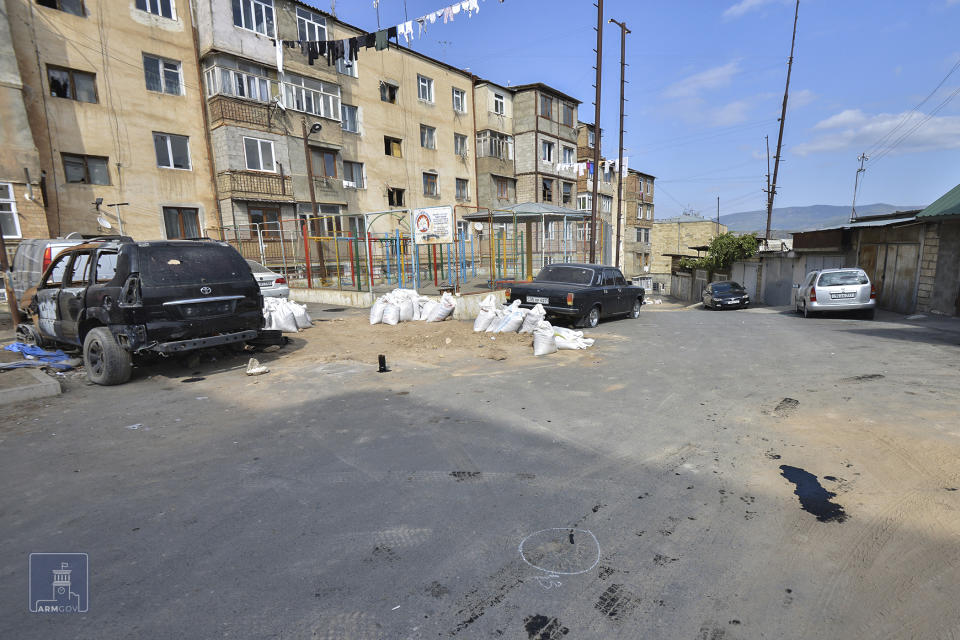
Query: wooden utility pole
[(596, 135), (623, 69), (718, 215), (783, 116)]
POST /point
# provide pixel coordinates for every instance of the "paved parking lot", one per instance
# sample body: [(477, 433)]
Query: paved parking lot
[(666, 483)]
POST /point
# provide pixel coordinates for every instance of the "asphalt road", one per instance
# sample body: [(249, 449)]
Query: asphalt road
[(635, 490)]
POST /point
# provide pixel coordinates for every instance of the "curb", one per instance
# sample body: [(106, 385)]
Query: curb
[(42, 386)]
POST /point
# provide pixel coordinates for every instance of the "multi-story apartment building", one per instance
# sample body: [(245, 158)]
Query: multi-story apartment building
[(391, 130), (637, 220), (496, 169), (113, 106), (545, 135)]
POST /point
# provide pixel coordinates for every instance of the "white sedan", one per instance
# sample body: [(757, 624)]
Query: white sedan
[(272, 284)]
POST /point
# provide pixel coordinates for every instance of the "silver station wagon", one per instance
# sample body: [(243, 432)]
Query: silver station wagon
[(831, 290)]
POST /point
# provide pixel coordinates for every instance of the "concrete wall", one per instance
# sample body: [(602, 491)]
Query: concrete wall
[(121, 123), (944, 294)]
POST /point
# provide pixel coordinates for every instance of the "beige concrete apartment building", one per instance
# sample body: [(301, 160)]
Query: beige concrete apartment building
[(674, 237), (390, 131), (496, 160), (637, 216), (112, 96), (545, 134)]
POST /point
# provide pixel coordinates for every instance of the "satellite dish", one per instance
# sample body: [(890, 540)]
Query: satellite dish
[(478, 226), (103, 222)]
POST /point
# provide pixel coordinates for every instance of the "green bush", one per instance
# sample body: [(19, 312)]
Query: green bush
[(724, 250)]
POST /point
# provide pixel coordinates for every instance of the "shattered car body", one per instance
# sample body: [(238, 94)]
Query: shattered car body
[(116, 299)]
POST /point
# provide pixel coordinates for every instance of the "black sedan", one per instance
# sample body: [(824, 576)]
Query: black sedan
[(725, 295), (583, 293)]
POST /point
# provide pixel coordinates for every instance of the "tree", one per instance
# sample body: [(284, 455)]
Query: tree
[(724, 250)]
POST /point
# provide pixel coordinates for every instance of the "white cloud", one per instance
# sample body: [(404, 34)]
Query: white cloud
[(710, 79), (802, 98), (853, 129), (732, 113), (744, 6)]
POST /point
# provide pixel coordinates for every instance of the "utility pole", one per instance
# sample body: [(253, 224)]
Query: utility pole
[(718, 215), (596, 135), (863, 157), (623, 69), (783, 116)]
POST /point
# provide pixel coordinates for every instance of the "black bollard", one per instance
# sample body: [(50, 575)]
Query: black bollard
[(382, 361)]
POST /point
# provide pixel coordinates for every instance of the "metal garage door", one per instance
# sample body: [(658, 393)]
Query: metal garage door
[(778, 281), (746, 274), (893, 271)]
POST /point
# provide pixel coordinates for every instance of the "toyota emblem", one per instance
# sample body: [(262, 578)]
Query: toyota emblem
[(205, 290)]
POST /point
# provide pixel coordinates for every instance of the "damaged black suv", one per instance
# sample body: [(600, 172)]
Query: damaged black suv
[(116, 299)]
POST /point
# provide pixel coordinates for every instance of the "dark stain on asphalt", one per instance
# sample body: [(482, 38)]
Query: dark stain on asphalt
[(437, 590), (774, 456), (663, 560), (813, 497), (950, 488), (196, 379), (544, 628), (465, 475), (616, 602), (337, 310), (478, 600), (865, 378), (604, 572), (786, 407), (597, 507), (571, 536)]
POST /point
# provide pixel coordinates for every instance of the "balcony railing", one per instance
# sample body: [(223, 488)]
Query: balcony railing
[(255, 184)]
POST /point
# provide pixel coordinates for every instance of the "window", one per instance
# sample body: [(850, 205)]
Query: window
[(181, 222), (547, 191), (460, 144), (310, 25), (498, 104), (502, 186), (80, 272), (568, 155), (9, 221), (106, 267), (606, 203), (462, 189), (391, 147), (546, 106), (639, 212), (162, 75), (649, 212), (55, 279), (492, 144), (163, 8), (424, 88), (259, 154), (429, 184), (347, 67), (72, 84), (312, 96), (250, 83), (349, 118), (267, 218), (254, 15), (585, 201), (353, 174), (394, 197), (173, 152), (567, 114), (428, 137), (324, 162), (74, 7), (85, 169), (591, 138), (567, 192), (459, 100), (643, 235), (546, 151), (388, 92)]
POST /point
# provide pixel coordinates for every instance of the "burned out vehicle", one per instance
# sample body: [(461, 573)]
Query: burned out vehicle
[(583, 293), (116, 299)]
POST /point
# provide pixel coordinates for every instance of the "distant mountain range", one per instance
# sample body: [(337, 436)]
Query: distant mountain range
[(816, 216)]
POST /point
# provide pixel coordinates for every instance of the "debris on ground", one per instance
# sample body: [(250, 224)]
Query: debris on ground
[(35, 356), (254, 368)]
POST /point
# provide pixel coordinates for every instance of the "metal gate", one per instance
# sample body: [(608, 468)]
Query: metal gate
[(778, 281), (893, 271), (746, 274)]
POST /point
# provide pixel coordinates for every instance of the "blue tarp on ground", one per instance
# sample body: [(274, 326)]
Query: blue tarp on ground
[(36, 357)]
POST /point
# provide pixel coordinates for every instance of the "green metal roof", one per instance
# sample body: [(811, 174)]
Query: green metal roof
[(946, 205)]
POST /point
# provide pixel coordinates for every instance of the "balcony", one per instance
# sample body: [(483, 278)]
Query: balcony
[(255, 185), (227, 110)]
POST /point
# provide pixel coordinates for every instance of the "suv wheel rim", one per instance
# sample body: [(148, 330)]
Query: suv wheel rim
[(95, 356)]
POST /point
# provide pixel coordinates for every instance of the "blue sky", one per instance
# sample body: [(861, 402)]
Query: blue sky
[(706, 82)]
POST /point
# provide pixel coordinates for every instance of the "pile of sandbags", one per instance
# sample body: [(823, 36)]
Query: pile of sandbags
[(548, 339), (495, 318), (405, 305), (285, 315)]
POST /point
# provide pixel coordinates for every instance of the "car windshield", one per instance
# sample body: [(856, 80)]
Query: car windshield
[(567, 275), (836, 278), (180, 264), (723, 287)]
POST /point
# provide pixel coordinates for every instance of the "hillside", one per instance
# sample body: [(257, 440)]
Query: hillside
[(815, 216)]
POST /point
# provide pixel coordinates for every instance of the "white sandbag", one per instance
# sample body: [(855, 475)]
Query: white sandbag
[(405, 293), (532, 319), (427, 309), (489, 303), (300, 315), (376, 311), (283, 319), (567, 334), (406, 309), (443, 310), (484, 318), (391, 314), (511, 321), (543, 339), (498, 315)]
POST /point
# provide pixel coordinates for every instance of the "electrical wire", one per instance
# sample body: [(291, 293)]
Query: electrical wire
[(889, 148)]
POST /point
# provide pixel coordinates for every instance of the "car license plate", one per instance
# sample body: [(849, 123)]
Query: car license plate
[(842, 295), (538, 299)]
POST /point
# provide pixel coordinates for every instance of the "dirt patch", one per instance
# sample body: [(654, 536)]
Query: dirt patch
[(354, 338)]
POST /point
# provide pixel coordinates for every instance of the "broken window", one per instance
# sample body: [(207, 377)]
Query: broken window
[(85, 169), (429, 184), (395, 197), (74, 7), (162, 75), (391, 147), (547, 191), (72, 84), (388, 92)]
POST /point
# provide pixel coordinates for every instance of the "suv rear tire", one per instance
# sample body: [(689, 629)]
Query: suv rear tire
[(107, 363)]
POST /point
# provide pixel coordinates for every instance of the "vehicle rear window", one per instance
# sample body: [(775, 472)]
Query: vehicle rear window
[(179, 264), (568, 275), (726, 286), (836, 278)]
